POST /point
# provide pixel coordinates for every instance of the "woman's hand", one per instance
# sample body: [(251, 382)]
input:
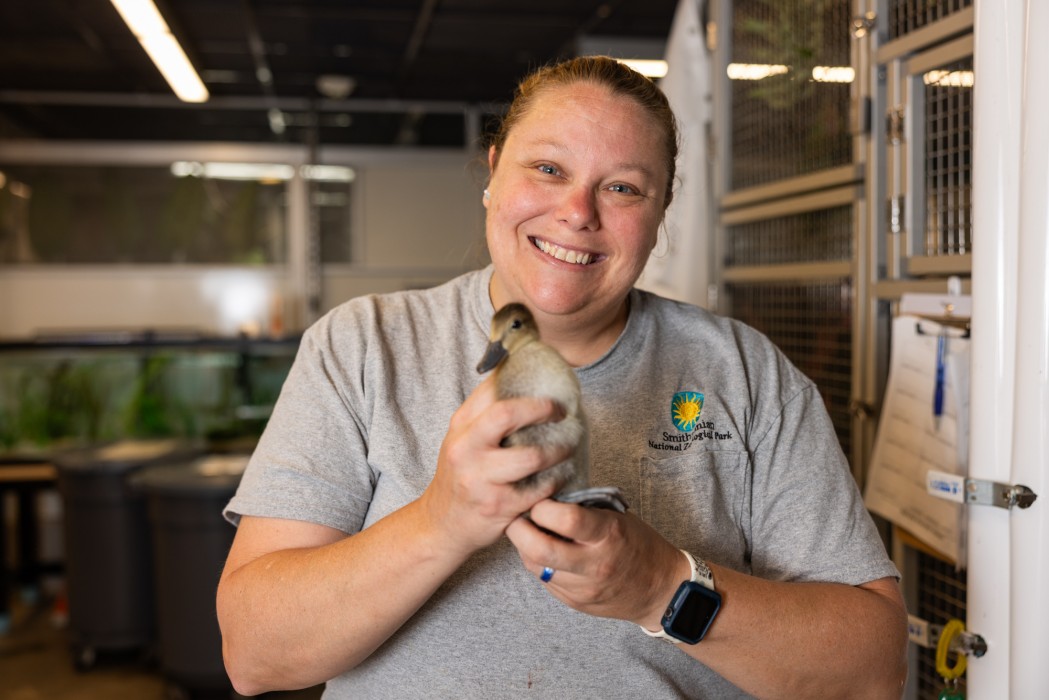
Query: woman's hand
[(472, 497), (615, 565)]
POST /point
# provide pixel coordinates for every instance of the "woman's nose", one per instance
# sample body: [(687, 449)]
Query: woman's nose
[(578, 208)]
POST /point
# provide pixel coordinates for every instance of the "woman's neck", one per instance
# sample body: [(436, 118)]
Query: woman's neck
[(581, 336), (582, 341)]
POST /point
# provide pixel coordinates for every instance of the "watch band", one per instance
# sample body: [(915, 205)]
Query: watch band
[(702, 575)]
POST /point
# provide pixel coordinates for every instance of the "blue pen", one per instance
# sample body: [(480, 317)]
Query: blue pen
[(941, 361)]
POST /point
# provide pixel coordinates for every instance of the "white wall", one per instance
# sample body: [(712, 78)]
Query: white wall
[(419, 216), (423, 224), (213, 299)]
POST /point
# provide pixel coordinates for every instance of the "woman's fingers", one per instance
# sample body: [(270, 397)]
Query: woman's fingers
[(604, 563), (474, 493)]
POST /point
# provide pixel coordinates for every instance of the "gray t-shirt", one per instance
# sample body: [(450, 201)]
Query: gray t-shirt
[(716, 440)]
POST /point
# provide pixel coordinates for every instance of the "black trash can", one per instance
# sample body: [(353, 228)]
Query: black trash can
[(190, 543), (107, 547)]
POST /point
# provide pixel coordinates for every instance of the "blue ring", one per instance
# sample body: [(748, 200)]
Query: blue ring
[(547, 574)]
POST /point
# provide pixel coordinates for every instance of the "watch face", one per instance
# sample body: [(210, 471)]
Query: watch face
[(691, 612)]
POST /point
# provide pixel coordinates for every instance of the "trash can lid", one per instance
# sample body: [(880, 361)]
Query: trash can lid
[(126, 455), (204, 475)]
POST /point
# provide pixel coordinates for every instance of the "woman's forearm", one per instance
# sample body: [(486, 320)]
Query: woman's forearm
[(299, 604), (808, 640)]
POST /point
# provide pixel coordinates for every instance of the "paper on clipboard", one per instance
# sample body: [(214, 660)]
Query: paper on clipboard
[(911, 441)]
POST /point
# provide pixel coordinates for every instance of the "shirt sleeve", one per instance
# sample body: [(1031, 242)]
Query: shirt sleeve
[(809, 522), (311, 461)]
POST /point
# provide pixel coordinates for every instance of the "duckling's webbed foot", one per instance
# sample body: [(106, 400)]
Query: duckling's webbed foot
[(606, 497)]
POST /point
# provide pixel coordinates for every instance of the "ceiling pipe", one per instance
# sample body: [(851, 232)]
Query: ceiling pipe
[(277, 121)]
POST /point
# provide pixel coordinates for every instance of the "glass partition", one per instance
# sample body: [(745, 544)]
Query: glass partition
[(179, 213), (68, 214)]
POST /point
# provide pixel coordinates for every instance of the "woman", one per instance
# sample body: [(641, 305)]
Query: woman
[(381, 546)]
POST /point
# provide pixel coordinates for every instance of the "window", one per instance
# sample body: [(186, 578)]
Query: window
[(154, 214)]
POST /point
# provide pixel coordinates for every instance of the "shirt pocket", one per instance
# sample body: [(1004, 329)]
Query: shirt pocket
[(700, 502)]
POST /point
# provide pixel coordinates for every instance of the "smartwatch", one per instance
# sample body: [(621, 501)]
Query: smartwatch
[(692, 609)]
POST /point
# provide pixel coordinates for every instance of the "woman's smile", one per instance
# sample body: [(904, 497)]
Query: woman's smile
[(575, 257)]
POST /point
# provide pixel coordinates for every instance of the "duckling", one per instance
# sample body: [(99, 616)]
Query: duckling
[(526, 366)]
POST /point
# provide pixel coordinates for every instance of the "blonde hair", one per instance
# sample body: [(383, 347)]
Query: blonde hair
[(613, 75)]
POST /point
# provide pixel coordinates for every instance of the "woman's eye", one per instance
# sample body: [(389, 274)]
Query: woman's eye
[(548, 169), (623, 189)]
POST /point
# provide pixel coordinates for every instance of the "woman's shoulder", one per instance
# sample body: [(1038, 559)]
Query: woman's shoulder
[(400, 317), (686, 319), (718, 339)]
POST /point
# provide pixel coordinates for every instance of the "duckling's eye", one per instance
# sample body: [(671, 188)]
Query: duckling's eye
[(516, 324)]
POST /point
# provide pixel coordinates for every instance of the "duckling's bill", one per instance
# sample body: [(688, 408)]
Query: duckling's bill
[(493, 355)]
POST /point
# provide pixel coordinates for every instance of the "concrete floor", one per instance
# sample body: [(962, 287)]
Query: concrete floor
[(36, 663)]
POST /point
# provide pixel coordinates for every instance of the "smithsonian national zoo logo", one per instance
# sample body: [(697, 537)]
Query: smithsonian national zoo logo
[(685, 410)]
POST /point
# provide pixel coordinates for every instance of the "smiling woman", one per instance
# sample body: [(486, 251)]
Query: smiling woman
[(382, 511)]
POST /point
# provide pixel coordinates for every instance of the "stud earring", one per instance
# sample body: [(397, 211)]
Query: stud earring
[(487, 195)]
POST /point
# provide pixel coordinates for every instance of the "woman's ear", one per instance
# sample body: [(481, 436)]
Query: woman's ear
[(493, 158)]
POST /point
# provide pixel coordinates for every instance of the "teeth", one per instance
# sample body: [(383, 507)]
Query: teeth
[(569, 256)]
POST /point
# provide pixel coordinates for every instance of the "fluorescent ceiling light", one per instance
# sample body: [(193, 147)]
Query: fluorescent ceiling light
[(145, 22), (760, 71), (833, 74), (264, 172), (647, 67), (753, 71), (328, 173), (954, 78)]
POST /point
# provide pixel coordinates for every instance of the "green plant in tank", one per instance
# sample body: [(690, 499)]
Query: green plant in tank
[(76, 395), (153, 411), (58, 405), (8, 412)]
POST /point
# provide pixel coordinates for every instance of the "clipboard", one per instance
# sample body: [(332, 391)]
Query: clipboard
[(924, 422)]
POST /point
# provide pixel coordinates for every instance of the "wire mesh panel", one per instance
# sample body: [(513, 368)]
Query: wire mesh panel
[(941, 596), (815, 236), (948, 158), (908, 15), (790, 75), (812, 324)]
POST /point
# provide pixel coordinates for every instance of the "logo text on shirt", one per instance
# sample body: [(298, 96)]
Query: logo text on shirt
[(685, 410)]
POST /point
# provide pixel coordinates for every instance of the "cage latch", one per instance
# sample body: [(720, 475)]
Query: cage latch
[(928, 635), (978, 492)]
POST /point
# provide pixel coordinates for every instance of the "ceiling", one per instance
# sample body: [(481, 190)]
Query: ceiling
[(71, 70)]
